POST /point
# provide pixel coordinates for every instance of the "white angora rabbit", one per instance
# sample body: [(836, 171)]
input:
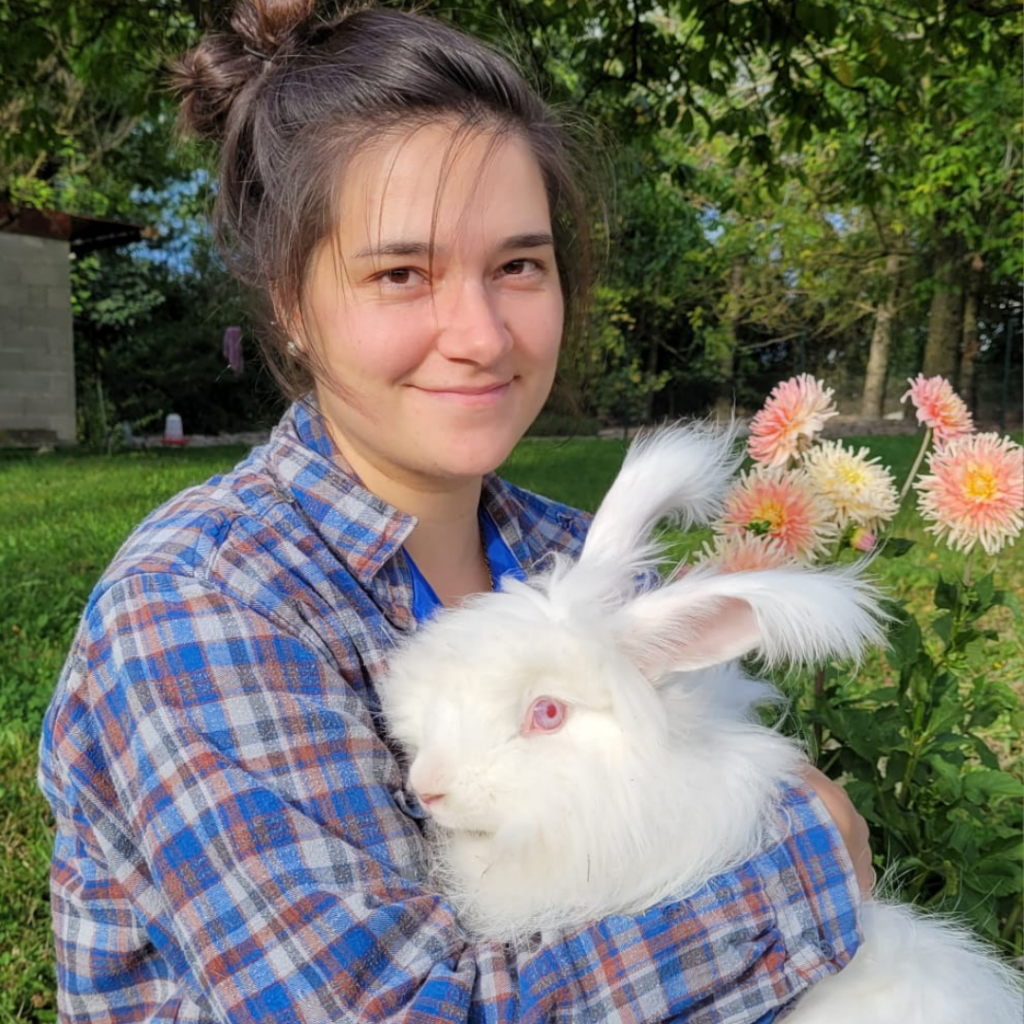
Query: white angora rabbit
[(586, 744)]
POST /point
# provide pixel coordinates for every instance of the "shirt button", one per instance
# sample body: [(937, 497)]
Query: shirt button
[(723, 894), (827, 950)]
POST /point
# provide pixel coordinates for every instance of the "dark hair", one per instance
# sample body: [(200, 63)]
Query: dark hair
[(290, 97)]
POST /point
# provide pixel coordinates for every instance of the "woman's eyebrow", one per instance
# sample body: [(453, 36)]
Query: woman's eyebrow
[(527, 240), (530, 240), (396, 248)]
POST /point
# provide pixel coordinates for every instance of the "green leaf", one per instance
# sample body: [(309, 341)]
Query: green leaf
[(996, 882), (948, 713), (950, 741), (984, 591), (860, 731), (984, 753), (1009, 599), (881, 695), (963, 838), (947, 779), (985, 784), (947, 594), (904, 639), (943, 627), (896, 547)]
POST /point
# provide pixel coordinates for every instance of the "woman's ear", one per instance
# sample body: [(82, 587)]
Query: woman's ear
[(288, 320)]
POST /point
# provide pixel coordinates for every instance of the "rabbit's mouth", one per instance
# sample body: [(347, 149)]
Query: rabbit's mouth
[(466, 833), (457, 819)]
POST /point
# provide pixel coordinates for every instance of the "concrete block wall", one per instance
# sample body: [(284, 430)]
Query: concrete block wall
[(37, 359)]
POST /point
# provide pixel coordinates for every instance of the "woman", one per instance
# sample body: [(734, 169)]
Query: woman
[(234, 842)]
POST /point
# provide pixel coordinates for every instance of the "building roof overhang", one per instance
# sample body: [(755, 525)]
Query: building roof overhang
[(84, 234)]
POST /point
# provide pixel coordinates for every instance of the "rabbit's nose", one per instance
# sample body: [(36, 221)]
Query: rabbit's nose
[(427, 779)]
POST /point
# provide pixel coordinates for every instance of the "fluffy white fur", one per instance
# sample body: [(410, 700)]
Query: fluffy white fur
[(662, 775)]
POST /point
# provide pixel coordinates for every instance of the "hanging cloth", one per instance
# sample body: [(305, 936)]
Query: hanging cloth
[(232, 349)]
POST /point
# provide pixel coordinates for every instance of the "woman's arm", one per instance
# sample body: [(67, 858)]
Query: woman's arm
[(232, 846), (850, 824)]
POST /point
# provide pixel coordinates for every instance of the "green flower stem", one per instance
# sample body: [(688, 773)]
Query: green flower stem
[(1012, 922), (921, 732), (913, 893), (917, 464), (819, 694), (967, 568), (915, 755)]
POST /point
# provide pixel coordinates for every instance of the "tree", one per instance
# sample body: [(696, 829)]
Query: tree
[(85, 117), (792, 176)]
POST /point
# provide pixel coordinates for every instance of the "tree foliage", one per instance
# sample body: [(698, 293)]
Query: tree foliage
[(85, 118), (808, 185), (864, 162)]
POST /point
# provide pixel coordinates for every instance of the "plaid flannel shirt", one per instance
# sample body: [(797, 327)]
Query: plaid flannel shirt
[(233, 840)]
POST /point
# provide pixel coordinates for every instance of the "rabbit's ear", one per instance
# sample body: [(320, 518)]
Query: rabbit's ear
[(681, 471), (788, 614)]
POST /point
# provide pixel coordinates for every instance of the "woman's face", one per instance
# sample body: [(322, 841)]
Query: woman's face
[(438, 364)]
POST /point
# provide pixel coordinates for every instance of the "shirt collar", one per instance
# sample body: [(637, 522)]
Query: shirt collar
[(362, 530)]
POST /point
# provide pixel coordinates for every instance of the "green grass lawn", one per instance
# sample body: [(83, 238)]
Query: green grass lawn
[(62, 517)]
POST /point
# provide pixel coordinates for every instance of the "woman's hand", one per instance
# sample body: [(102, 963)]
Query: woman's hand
[(852, 827)]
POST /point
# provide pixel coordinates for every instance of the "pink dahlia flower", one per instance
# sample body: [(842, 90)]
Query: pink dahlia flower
[(744, 552), (939, 407), (974, 492), (782, 505), (792, 417)]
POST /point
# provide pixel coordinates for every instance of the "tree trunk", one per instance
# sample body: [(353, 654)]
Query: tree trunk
[(725, 401), (651, 368), (871, 403), (941, 353), (970, 343)]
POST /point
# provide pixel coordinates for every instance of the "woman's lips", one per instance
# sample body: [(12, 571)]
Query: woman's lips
[(473, 396)]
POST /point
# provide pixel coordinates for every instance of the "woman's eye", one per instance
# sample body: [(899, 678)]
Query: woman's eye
[(517, 268), (398, 278)]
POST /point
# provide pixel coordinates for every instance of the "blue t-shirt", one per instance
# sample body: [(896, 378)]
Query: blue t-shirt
[(500, 559)]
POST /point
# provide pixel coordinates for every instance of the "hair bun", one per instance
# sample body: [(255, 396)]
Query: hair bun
[(271, 26), (210, 77)]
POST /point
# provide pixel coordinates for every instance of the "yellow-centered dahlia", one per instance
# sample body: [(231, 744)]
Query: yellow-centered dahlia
[(974, 492), (859, 489), (782, 505)]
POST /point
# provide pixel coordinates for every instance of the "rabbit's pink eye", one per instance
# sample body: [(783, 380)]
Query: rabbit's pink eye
[(545, 715)]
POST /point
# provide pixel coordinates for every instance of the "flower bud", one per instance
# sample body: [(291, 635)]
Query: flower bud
[(863, 540)]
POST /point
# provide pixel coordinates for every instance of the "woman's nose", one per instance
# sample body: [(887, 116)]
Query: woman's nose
[(472, 326)]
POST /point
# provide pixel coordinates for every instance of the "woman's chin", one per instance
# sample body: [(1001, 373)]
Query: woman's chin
[(475, 452)]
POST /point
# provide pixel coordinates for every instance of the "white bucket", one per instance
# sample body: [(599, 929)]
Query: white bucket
[(173, 431)]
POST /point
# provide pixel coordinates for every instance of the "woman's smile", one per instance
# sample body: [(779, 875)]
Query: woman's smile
[(471, 396)]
